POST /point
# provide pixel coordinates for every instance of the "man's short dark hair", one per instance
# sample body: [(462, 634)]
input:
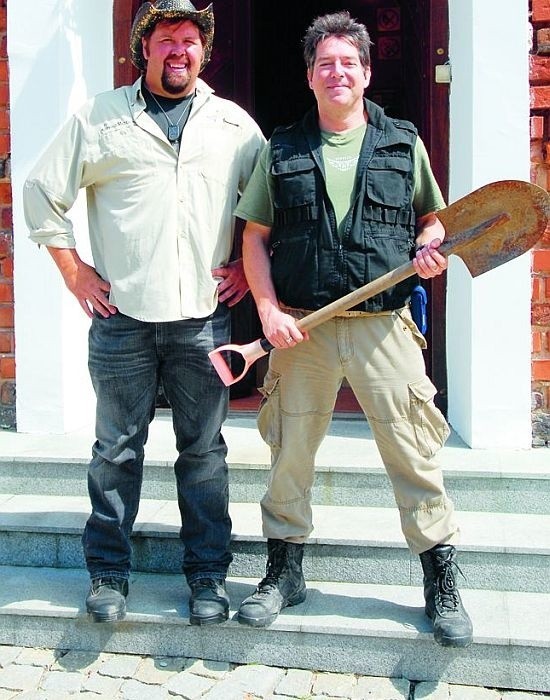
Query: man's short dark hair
[(339, 24)]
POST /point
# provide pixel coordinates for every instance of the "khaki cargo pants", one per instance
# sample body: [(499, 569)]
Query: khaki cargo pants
[(380, 355)]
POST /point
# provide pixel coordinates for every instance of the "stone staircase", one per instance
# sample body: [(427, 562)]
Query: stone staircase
[(363, 613)]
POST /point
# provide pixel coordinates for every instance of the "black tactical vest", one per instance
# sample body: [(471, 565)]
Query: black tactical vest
[(312, 265)]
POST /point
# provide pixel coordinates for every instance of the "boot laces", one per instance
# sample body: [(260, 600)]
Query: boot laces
[(273, 569), (447, 591)]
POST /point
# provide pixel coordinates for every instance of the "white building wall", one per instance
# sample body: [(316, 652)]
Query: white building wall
[(488, 318), (60, 53)]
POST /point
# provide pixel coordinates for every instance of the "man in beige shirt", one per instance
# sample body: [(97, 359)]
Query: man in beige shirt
[(163, 162)]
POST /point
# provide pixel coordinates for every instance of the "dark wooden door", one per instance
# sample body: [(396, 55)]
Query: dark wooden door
[(229, 74), (410, 37), (257, 61)]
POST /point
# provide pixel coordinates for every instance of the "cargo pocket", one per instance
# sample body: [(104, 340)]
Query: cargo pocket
[(269, 415), (429, 425)]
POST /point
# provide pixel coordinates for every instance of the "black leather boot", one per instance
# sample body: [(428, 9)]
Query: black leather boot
[(451, 624), (283, 585), (209, 602), (106, 600)]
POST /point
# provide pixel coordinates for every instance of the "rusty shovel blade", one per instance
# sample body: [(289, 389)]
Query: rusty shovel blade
[(486, 228), (527, 210)]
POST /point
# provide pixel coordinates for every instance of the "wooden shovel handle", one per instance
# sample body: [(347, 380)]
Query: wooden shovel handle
[(454, 245), (356, 297)]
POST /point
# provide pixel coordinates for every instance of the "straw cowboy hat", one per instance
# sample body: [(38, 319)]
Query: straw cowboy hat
[(150, 13)]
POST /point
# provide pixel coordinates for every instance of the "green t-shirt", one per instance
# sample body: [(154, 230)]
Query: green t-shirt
[(256, 204), (340, 157)]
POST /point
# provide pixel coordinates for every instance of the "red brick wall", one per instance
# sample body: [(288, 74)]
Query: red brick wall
[(540, 174), (7, 334)]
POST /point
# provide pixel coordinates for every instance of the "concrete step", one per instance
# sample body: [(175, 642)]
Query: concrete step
[(341, 627), (349, 468), (499, 551)]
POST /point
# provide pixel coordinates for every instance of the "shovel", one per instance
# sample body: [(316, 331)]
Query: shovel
[(486, 228)]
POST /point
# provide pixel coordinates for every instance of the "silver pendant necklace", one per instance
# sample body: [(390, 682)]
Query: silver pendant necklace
[(174, 129)]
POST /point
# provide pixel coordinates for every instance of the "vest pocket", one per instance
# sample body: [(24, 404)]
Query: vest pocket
[(430, 427), (294, 266), (294, 182), (387, 180)]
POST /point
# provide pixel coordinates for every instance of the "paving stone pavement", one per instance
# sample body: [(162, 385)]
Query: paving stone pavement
[(45, 674)]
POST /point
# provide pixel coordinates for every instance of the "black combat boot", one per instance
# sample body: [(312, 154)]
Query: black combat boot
[(209, 602), (106, 601), (283, 585), (451, 624)]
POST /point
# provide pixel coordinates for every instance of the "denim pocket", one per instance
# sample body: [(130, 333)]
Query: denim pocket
[(269, 415), (430, 427)]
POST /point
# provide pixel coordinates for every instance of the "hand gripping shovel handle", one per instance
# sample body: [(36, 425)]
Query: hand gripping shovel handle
[(488, 227), (258, 348)]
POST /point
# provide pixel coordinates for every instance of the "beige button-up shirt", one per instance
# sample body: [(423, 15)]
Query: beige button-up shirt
[(159, 221)]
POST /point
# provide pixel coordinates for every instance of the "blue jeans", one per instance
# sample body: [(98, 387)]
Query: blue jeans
[(127, 360)]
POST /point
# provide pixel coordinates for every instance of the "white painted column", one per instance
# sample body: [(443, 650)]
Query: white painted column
[(60, 53), (488, 318)]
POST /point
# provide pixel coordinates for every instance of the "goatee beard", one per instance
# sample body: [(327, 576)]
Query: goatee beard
[(172, 87)]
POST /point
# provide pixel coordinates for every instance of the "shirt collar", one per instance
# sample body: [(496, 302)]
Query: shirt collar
[(137, 94), (137, 101)]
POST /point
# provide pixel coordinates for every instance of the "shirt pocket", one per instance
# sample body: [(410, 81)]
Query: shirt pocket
[(214, 151), (128, 148)]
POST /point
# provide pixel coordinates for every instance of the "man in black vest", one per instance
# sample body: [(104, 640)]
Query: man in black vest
[(336, 200)]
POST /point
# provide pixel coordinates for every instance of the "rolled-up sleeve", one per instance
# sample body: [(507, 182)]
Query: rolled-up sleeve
[(52, 187)]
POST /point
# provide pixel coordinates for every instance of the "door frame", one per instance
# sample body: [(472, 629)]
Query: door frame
[(436, 131)]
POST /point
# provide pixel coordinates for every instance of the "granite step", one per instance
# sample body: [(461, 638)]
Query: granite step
[(500, 551), (487, 490), (377, 630), (349, 469)]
